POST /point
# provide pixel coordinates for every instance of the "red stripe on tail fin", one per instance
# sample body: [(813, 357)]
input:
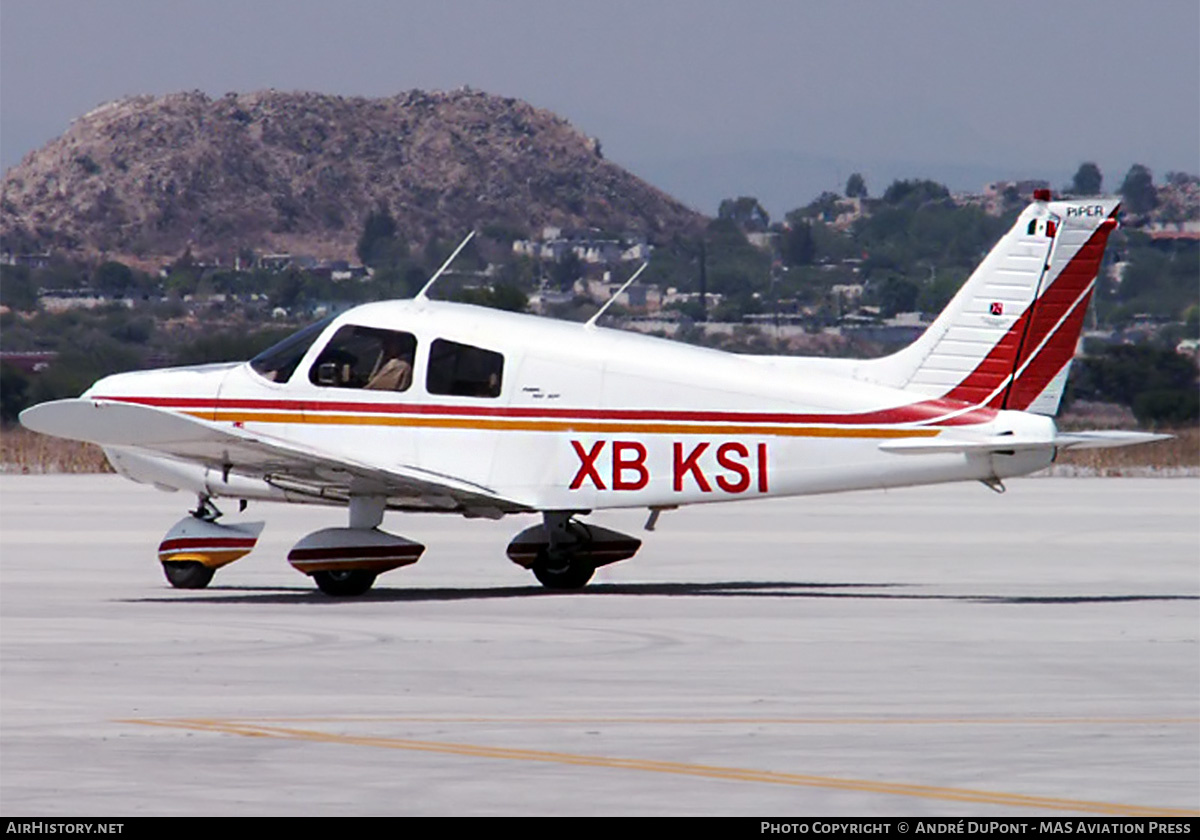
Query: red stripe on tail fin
[(1042, 341), (1057, 322)]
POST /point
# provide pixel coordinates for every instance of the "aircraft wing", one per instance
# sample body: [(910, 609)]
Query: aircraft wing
[(284, 464)]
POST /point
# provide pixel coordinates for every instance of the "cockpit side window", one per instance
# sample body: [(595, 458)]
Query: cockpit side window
[(278, 362), (367, 358), (464, 371)]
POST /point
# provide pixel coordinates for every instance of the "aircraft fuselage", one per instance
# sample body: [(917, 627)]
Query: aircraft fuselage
[(585, 418)]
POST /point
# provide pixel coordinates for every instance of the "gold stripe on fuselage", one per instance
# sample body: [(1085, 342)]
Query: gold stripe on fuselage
[(580, 426)]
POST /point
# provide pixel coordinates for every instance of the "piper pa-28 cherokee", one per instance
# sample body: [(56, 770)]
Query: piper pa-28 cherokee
[(420, 405)]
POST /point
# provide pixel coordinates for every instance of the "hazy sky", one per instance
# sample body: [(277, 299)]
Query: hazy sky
[(702, 98)]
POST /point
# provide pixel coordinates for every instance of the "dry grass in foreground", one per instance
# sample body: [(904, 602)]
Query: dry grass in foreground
[(1179, 454), (25, 452)]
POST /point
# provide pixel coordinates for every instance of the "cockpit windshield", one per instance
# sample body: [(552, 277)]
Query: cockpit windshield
[(278, 362)]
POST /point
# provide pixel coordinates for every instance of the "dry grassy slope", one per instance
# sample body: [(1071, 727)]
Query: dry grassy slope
[(300, 171)]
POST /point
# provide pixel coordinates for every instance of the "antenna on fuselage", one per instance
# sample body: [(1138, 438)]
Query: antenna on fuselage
[(421, 295), (592, 321)]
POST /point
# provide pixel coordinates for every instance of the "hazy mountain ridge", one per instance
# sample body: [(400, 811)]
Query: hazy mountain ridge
[(270, 171)]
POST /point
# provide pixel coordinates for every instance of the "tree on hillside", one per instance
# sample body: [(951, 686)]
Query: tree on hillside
[(914, 193), (114, 278), (1158, 384), (380, 243), (856, 187), (898, 294), (566, 271), (798, 245), (825, 207), (1087, 179), (745, 212), (733, 265), (1182, 179), (14, 392), (18, 288), (1138, 191), (504, 296)]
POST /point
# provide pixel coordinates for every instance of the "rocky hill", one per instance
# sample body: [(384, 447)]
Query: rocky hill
[(150, 177)]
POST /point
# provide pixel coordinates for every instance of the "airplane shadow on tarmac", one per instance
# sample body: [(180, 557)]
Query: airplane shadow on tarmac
[(720, 589)]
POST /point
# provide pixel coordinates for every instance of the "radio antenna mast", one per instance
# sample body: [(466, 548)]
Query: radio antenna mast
[(592, 321), (422, 295)]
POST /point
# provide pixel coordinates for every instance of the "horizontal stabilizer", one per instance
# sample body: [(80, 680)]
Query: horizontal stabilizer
[(997, 444), (1105, 439), (994, 444)]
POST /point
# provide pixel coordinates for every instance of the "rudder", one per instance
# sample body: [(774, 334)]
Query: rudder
[(1056, 320)]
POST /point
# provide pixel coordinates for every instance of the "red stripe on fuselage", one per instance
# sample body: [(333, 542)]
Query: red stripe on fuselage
[(926, 411)]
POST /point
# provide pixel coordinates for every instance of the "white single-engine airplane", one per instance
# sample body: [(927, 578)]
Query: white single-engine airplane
[(420, 405)]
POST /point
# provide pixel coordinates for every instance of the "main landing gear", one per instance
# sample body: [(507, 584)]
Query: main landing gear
[(564, 553), (344, 562), (344, 582)]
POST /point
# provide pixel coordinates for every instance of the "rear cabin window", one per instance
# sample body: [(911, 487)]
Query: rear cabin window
[(367, 358), (461, 370), (278, 362)]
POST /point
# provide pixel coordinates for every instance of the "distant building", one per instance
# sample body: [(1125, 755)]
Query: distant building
[(847, 291), (598, 251), (27, 260), (639, 252), (1024, 188), (1166, 231), (555, 244), (60, 300), (274, 262), (34, 362), (763, 240)]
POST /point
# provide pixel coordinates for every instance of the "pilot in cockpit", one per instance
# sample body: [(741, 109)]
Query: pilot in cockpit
[(393, 369)]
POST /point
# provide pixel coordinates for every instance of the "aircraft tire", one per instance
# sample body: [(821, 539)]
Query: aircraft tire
[(572, 575), (345, 583), (188, 574)]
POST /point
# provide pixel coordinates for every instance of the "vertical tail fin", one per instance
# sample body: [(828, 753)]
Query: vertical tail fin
[(1007, 338)]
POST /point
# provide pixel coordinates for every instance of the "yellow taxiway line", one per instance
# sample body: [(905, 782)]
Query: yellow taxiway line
[(263, 730), (735, 720)]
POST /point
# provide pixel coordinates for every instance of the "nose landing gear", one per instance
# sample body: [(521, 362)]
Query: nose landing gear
[(187, 574), (196, 546)]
